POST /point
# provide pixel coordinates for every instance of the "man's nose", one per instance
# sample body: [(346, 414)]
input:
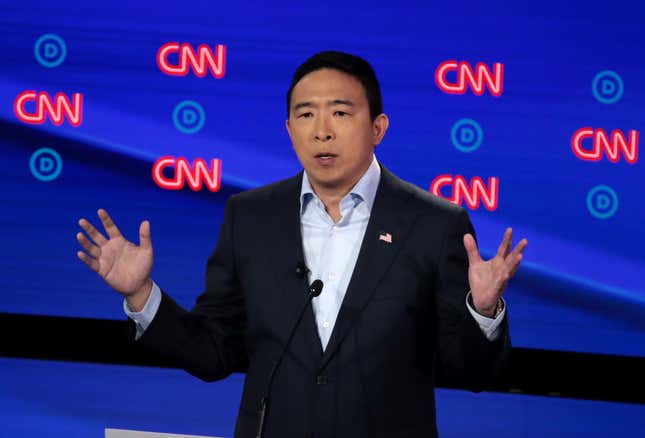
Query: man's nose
[(323, 130)]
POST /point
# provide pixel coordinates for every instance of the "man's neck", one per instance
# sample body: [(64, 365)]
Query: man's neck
[(331, 197)]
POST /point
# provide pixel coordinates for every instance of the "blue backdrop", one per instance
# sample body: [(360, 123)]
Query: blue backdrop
[(566, 66)]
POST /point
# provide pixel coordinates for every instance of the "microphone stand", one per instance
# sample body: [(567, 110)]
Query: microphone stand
[(314, 290)]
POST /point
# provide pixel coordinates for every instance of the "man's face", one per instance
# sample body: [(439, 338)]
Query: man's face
[(331, 129)]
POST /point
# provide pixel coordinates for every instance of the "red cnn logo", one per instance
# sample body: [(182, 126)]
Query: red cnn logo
[(194, 175), (200, 61), (478, 79), (612, 147), (471, 193), (44, 106)]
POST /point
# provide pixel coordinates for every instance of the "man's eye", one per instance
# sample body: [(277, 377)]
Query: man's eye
[(306, 115), (341, 113)]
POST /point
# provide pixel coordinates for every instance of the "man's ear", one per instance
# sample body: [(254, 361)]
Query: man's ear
[(379, 127), (286, 124)]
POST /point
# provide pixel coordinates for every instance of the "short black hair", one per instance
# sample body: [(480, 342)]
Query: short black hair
[(350, 64)]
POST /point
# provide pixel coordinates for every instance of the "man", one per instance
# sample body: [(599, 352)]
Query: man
[(406, 300)]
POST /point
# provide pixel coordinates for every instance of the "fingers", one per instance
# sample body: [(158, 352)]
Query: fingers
[(92, 263), (109, 224), (515, 266), (505, 246), (519, 248), (471, 249), (88, 246), (145, 240), (516, 257), (93, 232)]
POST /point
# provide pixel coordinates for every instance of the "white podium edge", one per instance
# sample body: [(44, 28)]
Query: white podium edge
[(124, 433)]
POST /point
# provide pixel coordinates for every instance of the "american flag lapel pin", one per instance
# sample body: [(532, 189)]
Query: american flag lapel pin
[(385, 237)]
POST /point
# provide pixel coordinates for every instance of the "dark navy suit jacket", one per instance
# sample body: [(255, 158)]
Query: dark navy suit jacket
[(403, 326)]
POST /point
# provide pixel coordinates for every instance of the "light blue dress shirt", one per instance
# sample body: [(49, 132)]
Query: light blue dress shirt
[(330, 251)]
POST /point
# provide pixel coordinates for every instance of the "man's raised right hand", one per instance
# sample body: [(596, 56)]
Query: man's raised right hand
[(123, 265)]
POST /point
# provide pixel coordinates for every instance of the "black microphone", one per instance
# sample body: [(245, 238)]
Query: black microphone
[(314, 290), (302, 270)]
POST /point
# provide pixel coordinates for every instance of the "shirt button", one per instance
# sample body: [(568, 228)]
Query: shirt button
[(326, 324), (331, 276)]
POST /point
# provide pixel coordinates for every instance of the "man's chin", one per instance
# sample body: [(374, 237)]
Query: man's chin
[(326, 180)]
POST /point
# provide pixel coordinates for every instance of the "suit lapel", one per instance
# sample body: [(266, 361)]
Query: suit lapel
[(287, 253), (389, 215)]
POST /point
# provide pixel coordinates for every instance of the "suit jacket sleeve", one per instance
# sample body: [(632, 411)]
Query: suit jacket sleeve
[(465, 358), (207, 341)]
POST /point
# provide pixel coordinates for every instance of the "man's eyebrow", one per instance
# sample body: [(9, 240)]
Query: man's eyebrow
[(299, 105), (347, 102), (341, 102)]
